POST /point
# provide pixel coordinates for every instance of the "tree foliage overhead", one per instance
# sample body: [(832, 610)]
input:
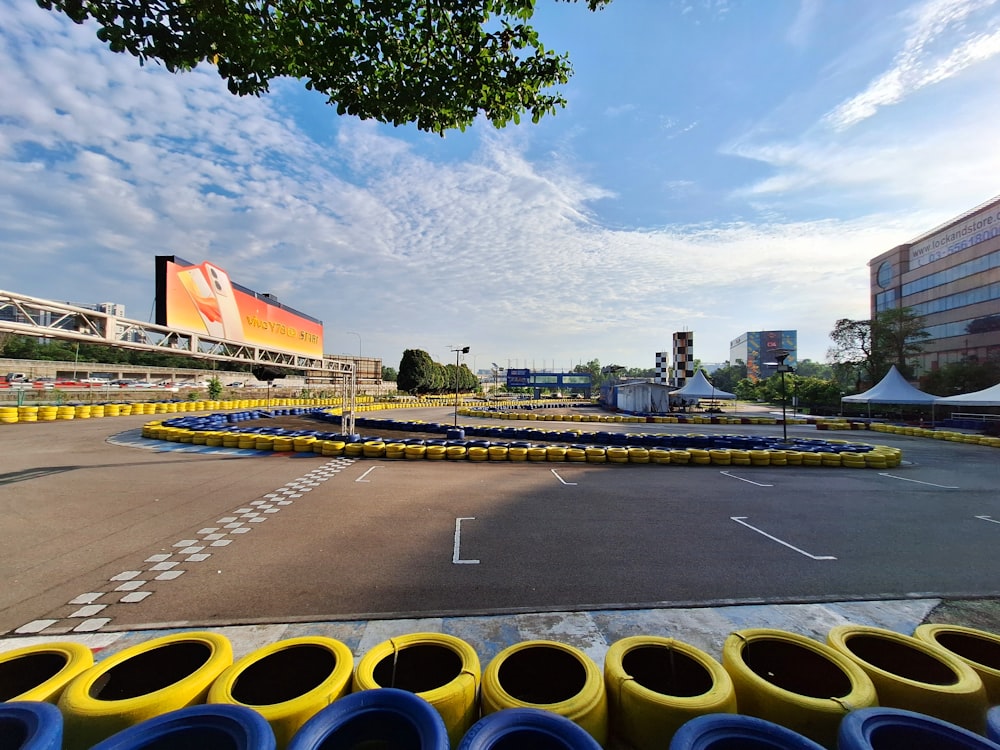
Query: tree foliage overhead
[(435, 63)]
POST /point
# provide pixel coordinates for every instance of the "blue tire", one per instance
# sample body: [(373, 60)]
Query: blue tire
[(383, 716), (993, 724), (727, 731), (527, 729), (30, 725), (222, 726), (875, 728)]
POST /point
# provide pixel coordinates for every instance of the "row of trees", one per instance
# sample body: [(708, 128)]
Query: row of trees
[(56, 350), (419, 374)]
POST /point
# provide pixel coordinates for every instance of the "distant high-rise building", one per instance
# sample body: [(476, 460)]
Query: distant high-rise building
[(111, 308), (754, 349)]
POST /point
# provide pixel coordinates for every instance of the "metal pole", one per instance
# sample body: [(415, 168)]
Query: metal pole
[(456, 387), (784, 420)]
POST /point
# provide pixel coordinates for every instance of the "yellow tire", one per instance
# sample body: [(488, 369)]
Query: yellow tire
[(140, 682), (795, 681), (354, 450), (656, 684), (556, 453), (596, 455), (287, 682), (576, 455), (915, 675), (977, 648), (617, 455), (440, 668), (263, 443), (659, 455), (721, 456), (415, 452), (517, 454), (478, 453), (395, 450), (435, 453), (551, 676), (537, 453), (41, 672), (456, 453), (332, 448), (678, 456), (498, 452), (373, 449), (638, 455)]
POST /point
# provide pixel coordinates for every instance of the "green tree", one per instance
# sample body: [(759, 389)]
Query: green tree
[(897, 336), (435, 63), (389, 373), (961, 377), (214, 388), (866, 349), (416, 372), (809, 369), (728, 376)]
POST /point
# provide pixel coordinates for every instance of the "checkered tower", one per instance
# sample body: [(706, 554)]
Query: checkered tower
[(663, 368), (683, 358)]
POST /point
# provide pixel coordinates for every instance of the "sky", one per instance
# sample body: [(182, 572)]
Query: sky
[(722, 166)]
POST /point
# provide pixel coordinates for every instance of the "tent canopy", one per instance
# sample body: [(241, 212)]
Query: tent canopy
[(700, 387), (986, 397), (892, 389)]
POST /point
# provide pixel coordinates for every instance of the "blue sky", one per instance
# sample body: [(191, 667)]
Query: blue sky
[(722, 166)]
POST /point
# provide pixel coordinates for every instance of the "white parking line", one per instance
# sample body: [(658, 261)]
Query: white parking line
[(748, 481), (742, 520), (556, 475), (917, 481), (455, 559), (362, 477), (987, 518)]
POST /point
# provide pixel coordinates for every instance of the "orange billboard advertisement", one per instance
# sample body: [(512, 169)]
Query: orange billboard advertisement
[(203, 300)]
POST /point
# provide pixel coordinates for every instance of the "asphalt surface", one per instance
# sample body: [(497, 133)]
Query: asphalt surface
[(105, 533)]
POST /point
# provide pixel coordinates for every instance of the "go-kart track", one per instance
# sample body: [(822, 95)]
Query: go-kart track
[(105, 530)]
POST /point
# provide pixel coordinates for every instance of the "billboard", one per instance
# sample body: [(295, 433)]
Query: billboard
[(201, 299)]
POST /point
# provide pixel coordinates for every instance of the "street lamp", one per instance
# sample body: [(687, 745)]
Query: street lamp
[(497, 369), (458, 351), (780, 355)]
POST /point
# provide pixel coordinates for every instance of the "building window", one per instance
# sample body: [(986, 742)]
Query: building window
[(884, 275)]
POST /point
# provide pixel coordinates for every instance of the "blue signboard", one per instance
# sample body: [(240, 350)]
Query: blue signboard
[(517, 378)]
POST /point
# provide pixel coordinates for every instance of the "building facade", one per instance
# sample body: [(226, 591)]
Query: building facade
[(755, 349), (951, 277)]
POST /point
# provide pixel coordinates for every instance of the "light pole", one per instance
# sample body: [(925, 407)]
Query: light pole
[(458, 351), (497, 369), (780, 355)]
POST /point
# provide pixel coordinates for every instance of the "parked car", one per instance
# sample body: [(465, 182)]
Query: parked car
[(236, 384)]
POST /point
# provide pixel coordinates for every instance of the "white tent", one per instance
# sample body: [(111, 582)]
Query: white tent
[(700, 387), (892, 389), (985, 397)]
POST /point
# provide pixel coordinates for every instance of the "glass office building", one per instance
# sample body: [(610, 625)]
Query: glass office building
[(951, 277), (755, 349)]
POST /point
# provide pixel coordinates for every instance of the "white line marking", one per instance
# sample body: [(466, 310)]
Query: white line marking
[(987, 518), (362, 477), (742, 520), (917, 481), (458, 542), (745, 480), (568, 484)]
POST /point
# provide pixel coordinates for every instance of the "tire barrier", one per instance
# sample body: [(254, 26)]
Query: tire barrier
[(538, 446), (551, 676), (891, 728), (30, 725), (993, 724), (732, 731), (912, 674), (287, 682), (40, 672), (386, 717), (140, 682), (657, 684), (795, 681), (977, 648), (217, 726), (439, 668), (526, 728)]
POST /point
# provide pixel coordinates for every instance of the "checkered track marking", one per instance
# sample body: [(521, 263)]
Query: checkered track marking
[(163, 568)]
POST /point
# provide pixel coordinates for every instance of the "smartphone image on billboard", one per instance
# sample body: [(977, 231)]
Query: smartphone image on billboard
[(225, 301), (211, 293)]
